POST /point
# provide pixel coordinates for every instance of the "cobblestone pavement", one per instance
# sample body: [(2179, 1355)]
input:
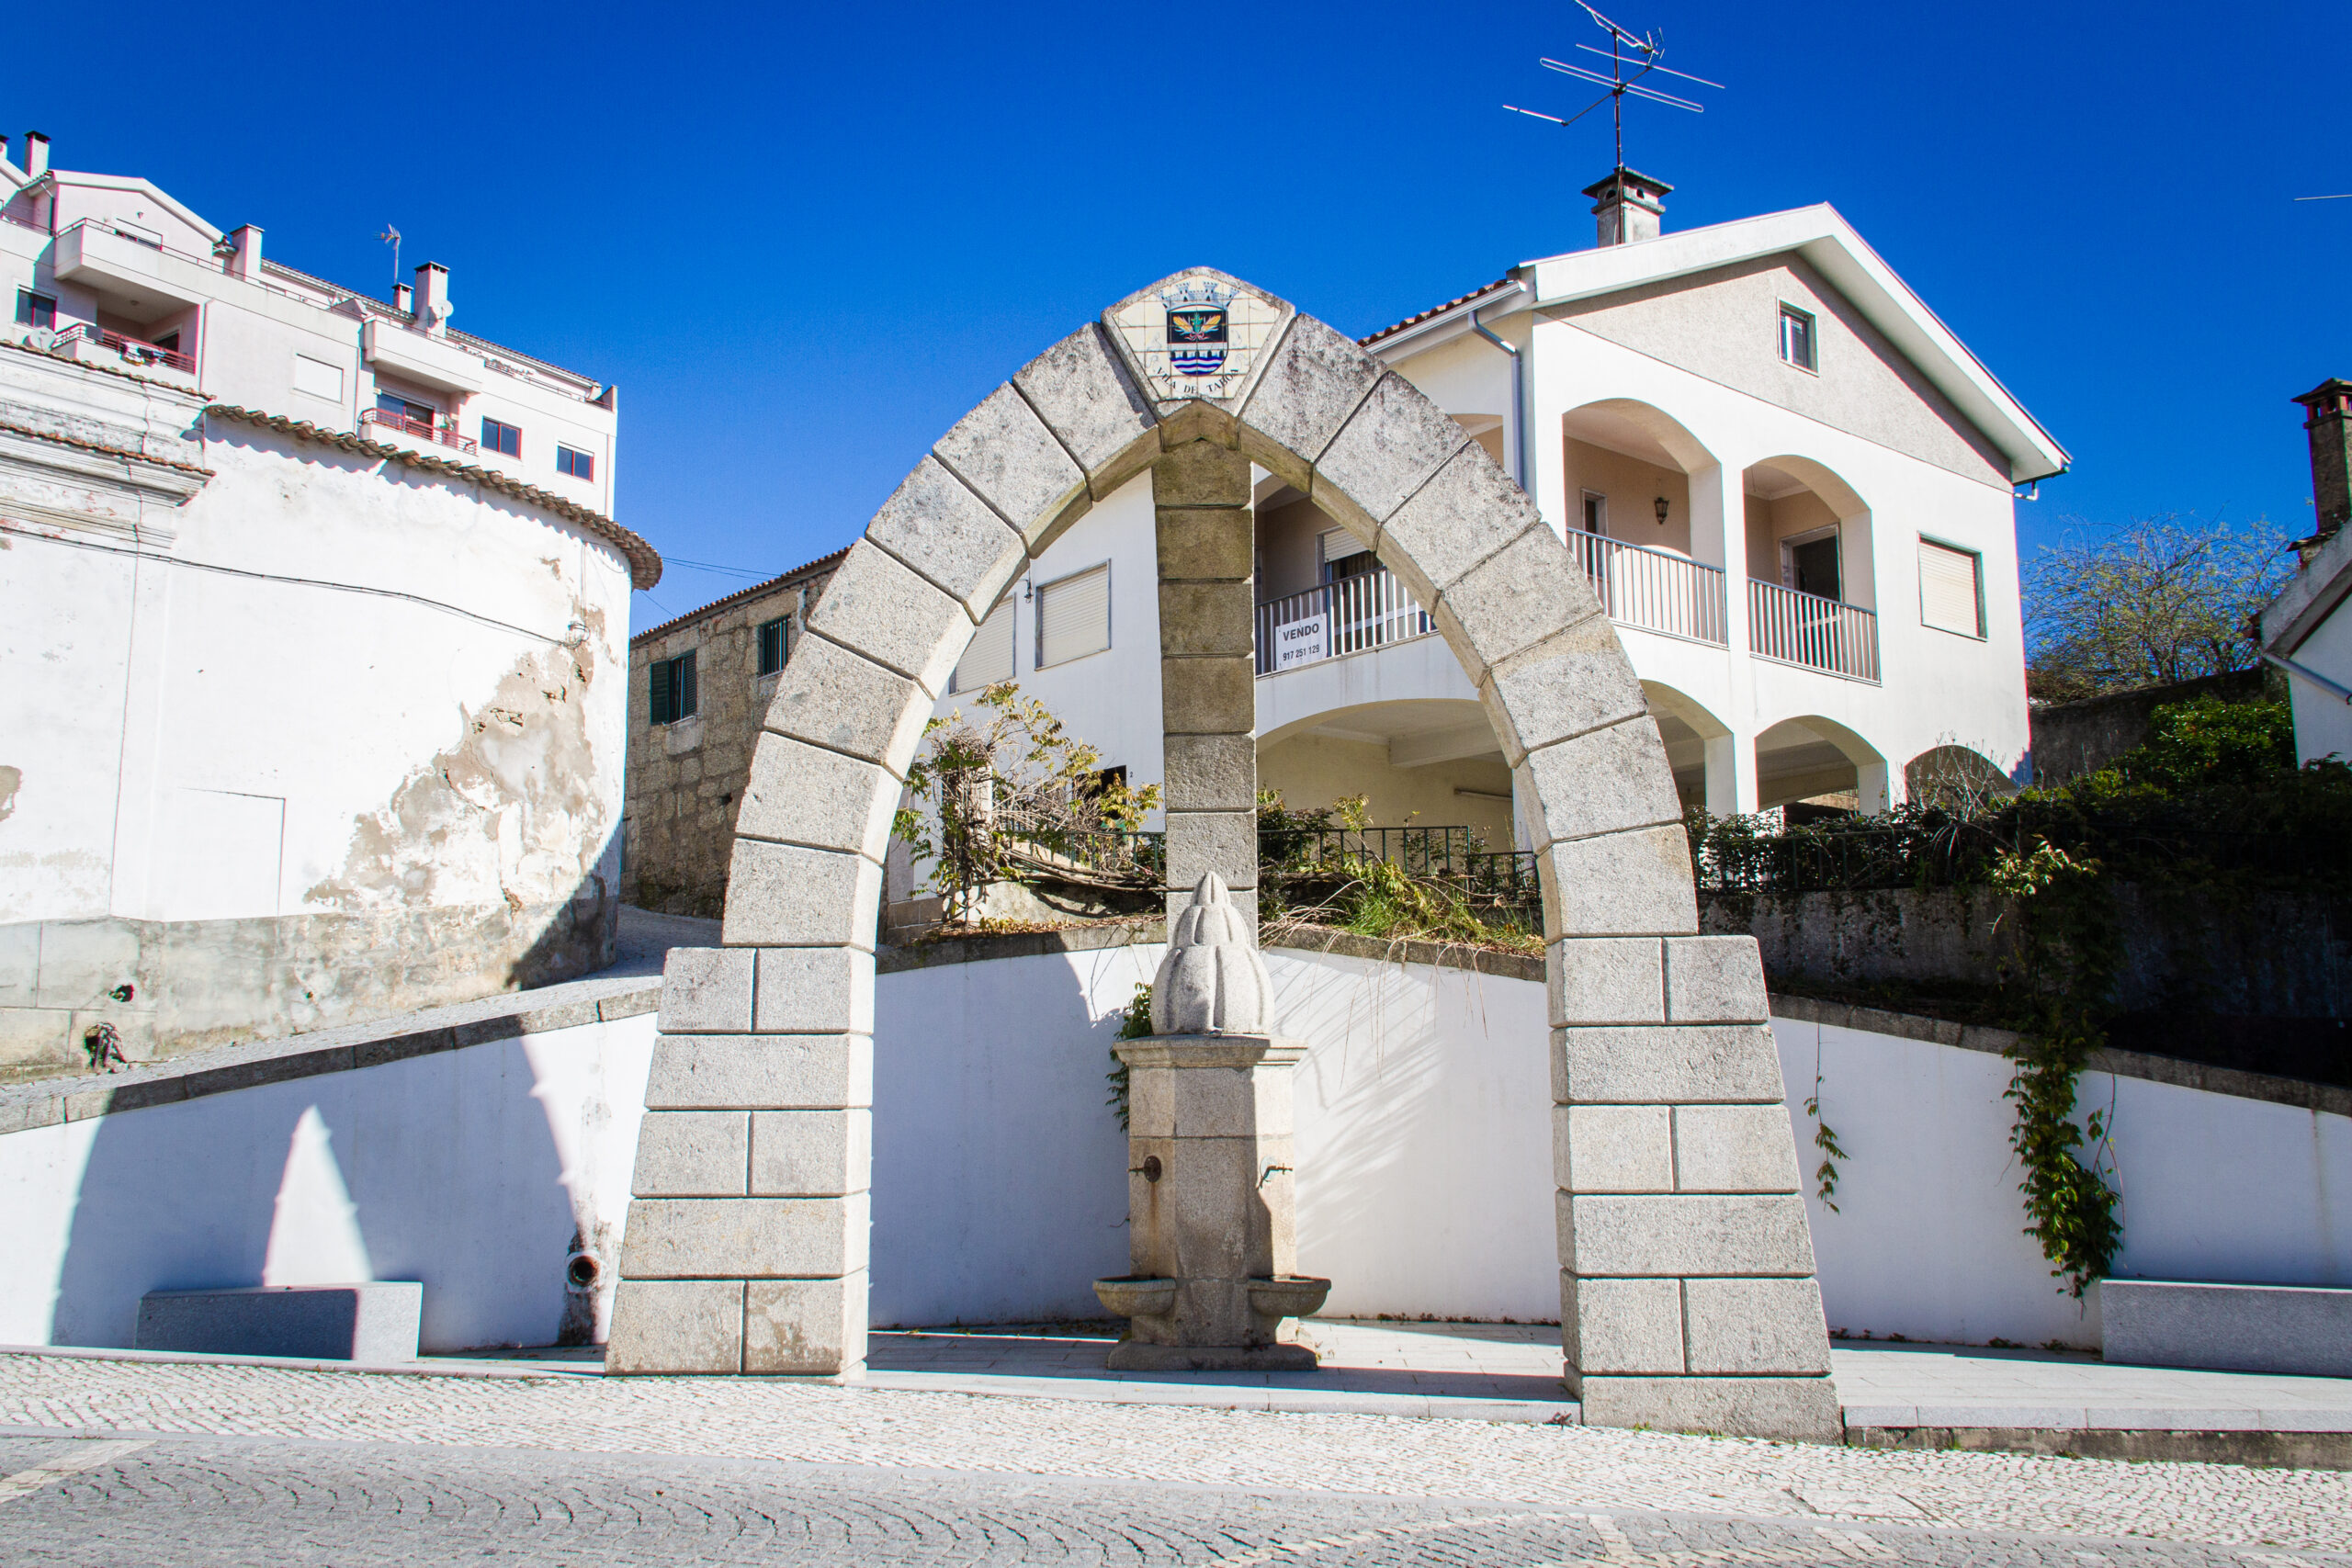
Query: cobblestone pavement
[(209, 1500), (871, 1476)]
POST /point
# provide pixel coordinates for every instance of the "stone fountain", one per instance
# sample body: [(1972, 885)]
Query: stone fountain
[(1210, 1189)]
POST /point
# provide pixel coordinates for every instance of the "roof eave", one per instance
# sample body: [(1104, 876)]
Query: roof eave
[(1505, 297), (1832, 247), (2311, 596)]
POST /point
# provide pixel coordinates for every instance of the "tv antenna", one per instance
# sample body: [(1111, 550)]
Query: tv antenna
[(1645, 51), (391, 237)]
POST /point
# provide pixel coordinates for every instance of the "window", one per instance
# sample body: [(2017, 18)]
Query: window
[(1797, 338), (318, 378), (402, 411), (502, 437), (1074, 616), (578, 464), (1951, 589), (35, 309), (775, 644), (674, 688), (988, 659), (1596, 512)]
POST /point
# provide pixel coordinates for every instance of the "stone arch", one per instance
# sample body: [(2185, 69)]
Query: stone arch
[(1687, 1273)]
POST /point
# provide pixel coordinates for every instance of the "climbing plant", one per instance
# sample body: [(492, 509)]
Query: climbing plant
[(2069, 956), (1134, 1023)]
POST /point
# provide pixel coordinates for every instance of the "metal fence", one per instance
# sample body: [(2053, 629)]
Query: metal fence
[(1812, 630), (1451, 854), (1653, 589)]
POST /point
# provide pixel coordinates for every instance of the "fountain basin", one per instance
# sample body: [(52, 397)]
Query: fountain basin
[(1131, 1295), (1288, 1295)]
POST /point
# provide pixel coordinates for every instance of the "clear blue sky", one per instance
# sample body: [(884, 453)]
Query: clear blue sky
[(804, 241)]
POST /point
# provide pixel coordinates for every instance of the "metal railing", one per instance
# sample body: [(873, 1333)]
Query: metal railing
[(1347, 614), (133, 350), (423, 430), (1453, 854), (1812, 631), (1655, 590)]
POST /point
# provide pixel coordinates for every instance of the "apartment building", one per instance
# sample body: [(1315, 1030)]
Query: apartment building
[(315, 619)]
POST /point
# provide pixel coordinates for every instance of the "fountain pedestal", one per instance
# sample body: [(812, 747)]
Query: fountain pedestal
[(1210, 1206)]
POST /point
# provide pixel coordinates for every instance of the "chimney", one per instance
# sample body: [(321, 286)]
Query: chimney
[(432, 306), (1628, 205), (36, 153), (2328, 422), (401, 297), (246, 260)]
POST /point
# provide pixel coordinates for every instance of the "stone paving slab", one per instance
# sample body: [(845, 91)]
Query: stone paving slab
[(1951, 1385), (1482, 1462)]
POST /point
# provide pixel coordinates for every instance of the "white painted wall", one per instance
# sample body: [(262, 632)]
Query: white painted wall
[(2323, 719), (1425, 1182), (469, 1170), (1927, 1240)]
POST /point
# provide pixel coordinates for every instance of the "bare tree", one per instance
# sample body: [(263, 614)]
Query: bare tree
[(2159, 600)]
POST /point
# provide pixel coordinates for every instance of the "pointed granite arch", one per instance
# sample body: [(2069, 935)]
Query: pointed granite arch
[(1688, 1295)]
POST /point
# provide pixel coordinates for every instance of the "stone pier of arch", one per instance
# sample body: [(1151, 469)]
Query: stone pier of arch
[(1687, 1278)]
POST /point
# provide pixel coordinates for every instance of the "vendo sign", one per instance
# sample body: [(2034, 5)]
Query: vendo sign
[(1302, 642)]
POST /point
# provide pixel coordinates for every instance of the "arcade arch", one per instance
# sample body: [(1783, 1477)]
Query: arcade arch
[(1809, 756), (1660, 1038)]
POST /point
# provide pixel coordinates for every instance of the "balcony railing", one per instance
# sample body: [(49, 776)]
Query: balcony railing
[(1812, 631), (422, 430), (1347, 614), (133, 350), (1654, 590)]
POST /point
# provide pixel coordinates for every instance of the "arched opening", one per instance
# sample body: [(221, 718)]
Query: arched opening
[(1697, 745), (1649, 541), (1813, 767), (1430, 762), (1812, 589), (1956, 778)]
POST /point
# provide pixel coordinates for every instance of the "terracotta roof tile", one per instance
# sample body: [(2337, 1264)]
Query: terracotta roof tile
[(740, 595), (644, 562), (1432, 311)]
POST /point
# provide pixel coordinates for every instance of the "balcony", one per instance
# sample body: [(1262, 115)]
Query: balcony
[(1654, 590), (400, 425), (134, 351), (1812, 632), (1347, 614)]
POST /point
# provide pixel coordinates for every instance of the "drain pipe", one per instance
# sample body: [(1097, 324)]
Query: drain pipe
[(1518, 398), (2314, 676)]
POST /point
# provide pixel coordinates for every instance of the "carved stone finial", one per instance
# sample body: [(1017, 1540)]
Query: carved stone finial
[(1211, 982)]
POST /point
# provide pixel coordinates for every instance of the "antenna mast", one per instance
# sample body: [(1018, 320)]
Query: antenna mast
[(1626, 47)]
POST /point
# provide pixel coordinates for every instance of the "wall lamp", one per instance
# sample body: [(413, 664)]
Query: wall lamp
[(1658, 506)]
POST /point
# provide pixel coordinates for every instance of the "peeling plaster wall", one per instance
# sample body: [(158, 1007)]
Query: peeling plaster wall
[(373, 763)]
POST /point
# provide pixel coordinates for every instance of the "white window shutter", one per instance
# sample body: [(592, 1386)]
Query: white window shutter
[(1074, 616), (1949, 591), (990, 657)]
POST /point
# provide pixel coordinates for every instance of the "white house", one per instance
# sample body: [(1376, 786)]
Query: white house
[(315, 625), (1789, 484), (2306, 630)]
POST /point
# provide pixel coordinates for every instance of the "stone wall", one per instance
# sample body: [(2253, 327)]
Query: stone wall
[(172, 986), (686, 779), (2073, 738)]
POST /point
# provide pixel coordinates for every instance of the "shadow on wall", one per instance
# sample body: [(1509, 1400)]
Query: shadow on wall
[(999, 1172), (1424, 1115), (441, 1169), (580, 936)]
